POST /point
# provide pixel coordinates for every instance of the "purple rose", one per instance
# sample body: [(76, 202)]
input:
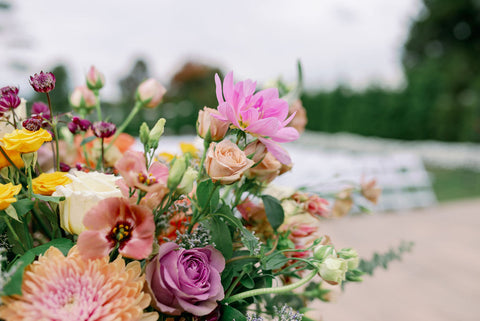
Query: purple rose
[(185, 280)]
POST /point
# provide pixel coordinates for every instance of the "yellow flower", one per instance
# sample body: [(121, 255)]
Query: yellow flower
[(166, 157), (45, 184), (189, 148), (25, 141), (7, 193), (14, 157)]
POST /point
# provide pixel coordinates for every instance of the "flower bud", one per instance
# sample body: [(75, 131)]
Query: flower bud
[(351, 256), (186, 184), (43, 82), (41, 109), (95, 79), (144, 133), (176, 172), (256, 151), (103, 129), (333, 270), (156, 133), (322, 252), (370, 191), (206, 122), (150, 93), (82, 97)]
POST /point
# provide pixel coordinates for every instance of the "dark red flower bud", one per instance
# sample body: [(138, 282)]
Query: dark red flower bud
[(43, 82)]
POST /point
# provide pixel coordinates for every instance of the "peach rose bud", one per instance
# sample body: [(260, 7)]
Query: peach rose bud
[(206, 121), (150, 93), (226, 163), (256, 151), (267, 170), (82, 97)]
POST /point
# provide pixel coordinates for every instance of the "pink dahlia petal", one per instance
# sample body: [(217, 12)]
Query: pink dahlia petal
[(277, 108), (228, 112), (228, 88), (285, 135), (277, 151), (269, 93), (264, 127), (289, 119), (218, 84)]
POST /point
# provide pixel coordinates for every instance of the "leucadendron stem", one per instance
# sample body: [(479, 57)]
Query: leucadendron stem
[(138, 106), (277, 290)]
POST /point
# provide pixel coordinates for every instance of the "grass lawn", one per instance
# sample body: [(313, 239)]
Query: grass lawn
[(454, 184)]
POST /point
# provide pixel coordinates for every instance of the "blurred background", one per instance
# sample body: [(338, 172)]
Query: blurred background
[(391, 90)]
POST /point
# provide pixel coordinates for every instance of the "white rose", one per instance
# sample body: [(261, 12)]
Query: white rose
[(86, 190)]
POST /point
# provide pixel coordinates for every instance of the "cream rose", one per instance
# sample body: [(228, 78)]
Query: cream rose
[(85, 191), (226, 162)]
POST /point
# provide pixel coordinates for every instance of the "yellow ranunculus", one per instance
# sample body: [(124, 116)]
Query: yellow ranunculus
[(14, 157), (25, 141), (7, 193), (189, 148), (45, 184)]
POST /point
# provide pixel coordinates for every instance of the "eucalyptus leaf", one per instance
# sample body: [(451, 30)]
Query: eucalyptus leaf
[(274, 211)]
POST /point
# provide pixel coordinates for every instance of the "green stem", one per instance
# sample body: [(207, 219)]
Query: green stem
[(103, 154), (206, 144), (28, 235), (4, 153), (234, 284), (133, 113), (15, 235), (277, 290), (97, 105), (195, 218), (55, 133), (42, 224)]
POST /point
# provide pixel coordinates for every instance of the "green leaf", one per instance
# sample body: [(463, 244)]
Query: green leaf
[(221, 236), (55, 199), (12, 212), (247, 282), (23, 206), (87, 140), (203, 192), (274, 261), (274, 211), (230, 313), (14, 285)]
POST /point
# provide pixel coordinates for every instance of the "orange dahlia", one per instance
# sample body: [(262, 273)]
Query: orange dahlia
[(56, 287)]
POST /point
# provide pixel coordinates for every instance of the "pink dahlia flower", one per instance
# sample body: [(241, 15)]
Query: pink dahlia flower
[(113, 222), (56, 287), (262, 114), (133, 170)]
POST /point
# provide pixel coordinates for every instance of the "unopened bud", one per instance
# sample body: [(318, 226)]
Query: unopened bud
[(95, 79), (186, 184), (150, 93), (333, 270), (156, 133), (351, 256), (176, 172), (144, 133), (322, 252), (82, 97)]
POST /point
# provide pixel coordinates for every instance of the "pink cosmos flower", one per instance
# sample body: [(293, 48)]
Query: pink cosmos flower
[(134, 171), (262, 114), (114, 222)]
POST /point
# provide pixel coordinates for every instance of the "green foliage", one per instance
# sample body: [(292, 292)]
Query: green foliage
[(455, 184), (382, 260), (274, 211)]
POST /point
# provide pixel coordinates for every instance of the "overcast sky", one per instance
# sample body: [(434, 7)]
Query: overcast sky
[(351, 41)]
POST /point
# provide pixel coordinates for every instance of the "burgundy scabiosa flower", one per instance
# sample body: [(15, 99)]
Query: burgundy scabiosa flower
[(262, 114), (113, 222), (40, 109), (103, 129), (78, 124), (182, 280), (32, 124), (8, 89), (43, 82), (9, 101)]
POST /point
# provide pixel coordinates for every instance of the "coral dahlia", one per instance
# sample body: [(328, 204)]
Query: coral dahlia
[(56, 287)]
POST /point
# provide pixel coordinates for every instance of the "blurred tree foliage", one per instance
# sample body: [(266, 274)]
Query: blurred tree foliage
[(441, 100)]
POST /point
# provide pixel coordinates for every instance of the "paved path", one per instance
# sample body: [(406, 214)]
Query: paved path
[(438, 281)]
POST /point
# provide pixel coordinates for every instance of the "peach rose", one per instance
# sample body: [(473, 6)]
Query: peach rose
[(226, 163), (267, 170), (257, 149), (218, 128), (300, 120)]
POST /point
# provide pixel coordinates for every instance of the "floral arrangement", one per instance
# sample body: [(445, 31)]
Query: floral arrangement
[(93, 230)]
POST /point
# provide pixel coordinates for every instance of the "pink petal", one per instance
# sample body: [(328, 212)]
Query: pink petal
[(228, 87), (289, 119), (277, 151), (137, 249), (218, 84), (93, 245), (269, 93), (159, 171), (264, 127), (285, 135), (104, 214), (250, 116), (277, 108), (228, 112)]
